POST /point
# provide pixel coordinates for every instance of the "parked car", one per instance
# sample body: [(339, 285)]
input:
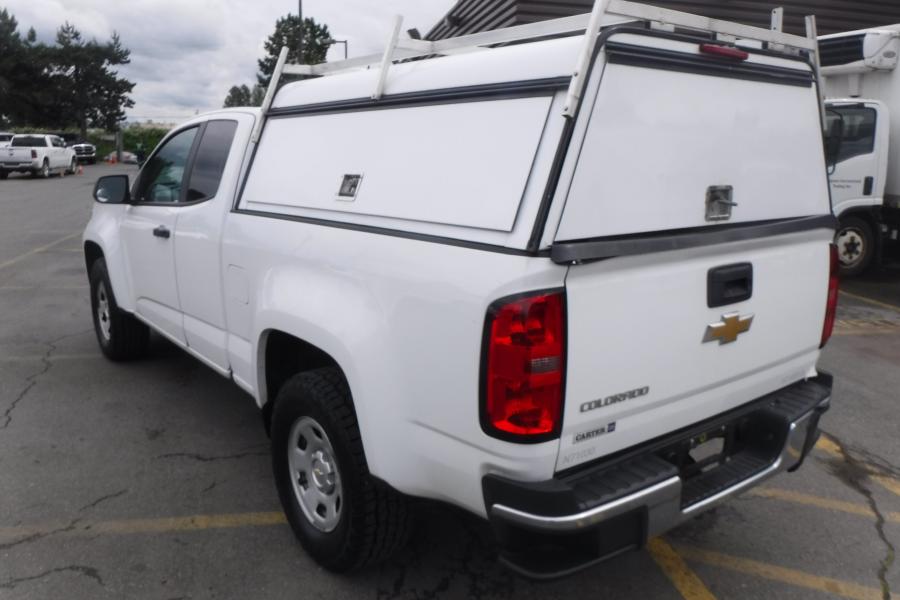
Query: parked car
[(128, 158), (586, 308), (85, 152), (862, 82), (37, 154), (5, 138)]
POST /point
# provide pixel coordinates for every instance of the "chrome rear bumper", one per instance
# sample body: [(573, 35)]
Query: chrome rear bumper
[(643, 494)]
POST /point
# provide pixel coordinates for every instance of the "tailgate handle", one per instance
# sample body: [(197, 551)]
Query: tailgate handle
[(729, 284)]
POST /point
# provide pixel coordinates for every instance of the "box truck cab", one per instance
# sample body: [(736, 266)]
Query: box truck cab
[(862, 84)]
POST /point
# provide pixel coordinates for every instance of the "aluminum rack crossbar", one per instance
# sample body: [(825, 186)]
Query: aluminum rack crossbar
[(617, 11), (605, 13)]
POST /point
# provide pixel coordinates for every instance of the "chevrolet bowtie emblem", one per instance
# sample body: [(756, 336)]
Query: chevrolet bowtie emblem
[(728, 329)]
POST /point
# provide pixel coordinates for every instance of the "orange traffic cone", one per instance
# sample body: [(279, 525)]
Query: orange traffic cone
[(80, 170)]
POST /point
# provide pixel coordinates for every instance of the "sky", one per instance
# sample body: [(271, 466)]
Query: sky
[(186, 54)]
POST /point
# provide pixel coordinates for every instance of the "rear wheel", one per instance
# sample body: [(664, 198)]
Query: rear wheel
[(44, 171), (343, 517), (856, 245), (73, 166), (120, 335)]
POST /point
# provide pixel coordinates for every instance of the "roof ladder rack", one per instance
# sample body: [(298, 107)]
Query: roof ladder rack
[(604, 13), (579, 77)]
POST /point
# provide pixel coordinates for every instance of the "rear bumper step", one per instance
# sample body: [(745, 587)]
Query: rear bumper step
[(552, 528)]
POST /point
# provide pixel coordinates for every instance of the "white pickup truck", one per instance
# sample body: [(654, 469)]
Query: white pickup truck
[(37, 154), (585, 308), (862, 82)]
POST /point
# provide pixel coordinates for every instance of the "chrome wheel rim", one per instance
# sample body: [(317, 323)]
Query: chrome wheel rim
[(851, 246), (314, 474), (103, 312)]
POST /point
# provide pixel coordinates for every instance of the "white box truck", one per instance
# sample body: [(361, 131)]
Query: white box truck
[(862, 83), (576, 286)]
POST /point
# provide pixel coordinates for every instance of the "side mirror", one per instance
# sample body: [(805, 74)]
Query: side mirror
[(112, 189)]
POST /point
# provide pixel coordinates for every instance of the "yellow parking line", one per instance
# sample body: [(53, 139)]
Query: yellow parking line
[(852, 508), (682, 577), (792, 577), (21, 257), (192, 523), (159, 525), (888, 483), (832, 448), (857, 332), (871, 301), (829, 446)]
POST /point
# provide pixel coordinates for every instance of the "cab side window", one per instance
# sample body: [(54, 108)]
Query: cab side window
[(859, 131), (162, 177), (210, 160)]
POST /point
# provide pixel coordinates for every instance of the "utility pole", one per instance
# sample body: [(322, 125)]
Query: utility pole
[(300, 34)]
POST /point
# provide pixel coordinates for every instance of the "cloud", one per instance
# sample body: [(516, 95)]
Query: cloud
[(186, 54)]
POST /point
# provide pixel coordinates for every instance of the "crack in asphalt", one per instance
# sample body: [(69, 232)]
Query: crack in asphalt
[(90, 572), (103, 499), (855, 473), (206, 458), (473, 566), (33, 378), (40, 535)]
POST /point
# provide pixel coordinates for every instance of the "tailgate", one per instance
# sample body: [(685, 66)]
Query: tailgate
[(688, 316), (15, 155), (638, 365)]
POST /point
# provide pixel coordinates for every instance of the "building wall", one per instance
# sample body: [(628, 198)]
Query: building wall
[(832, 16)]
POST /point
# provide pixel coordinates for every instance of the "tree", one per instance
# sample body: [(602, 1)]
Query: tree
[(257, 95), (238, 95), (315, 42), (90, 91), (241, 95), (23, 79)]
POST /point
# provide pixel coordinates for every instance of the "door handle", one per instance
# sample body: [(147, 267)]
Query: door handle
[(868, 185), (729, 284), (162, 232)]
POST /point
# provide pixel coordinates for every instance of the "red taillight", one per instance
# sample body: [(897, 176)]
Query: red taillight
[(523, 367), (33, 153), (831, 304), (724, 51)]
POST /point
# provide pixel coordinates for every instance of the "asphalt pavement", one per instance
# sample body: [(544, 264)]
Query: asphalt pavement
[(152, 479)]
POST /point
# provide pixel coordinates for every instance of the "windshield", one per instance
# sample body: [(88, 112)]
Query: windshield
[(27, 141), (858, 136)]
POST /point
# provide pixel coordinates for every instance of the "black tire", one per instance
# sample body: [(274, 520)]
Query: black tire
[(4, 174), (92, 161), (73, 167), (44, 172), (120, 335), (374, 519), (856, 245)]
